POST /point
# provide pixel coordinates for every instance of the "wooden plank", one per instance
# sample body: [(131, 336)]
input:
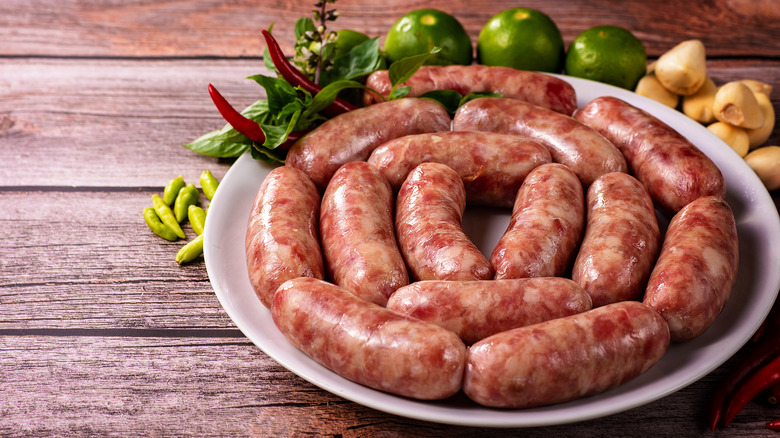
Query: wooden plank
[(122, 122), (232, 29), (130, 386)]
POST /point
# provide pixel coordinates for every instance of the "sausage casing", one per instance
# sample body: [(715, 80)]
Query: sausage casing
[(674, 171), (428, 222), (352, 136), (282, 239), (358, 234), (537, 88), (696, 269), (475, 310), (367, 343), (546, 226), (586, 152), (491, 165), (565, 358), (621, 240)]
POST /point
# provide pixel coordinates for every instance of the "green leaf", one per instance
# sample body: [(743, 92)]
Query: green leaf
[(279, 92), (275, 135), (360, 61), (449, 99), (403, 69), (328, 94), (227, 142), (477, 95), (398, 92), (303, 25)]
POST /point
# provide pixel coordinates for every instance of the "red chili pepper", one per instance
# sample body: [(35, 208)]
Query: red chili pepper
[(774, 425), (764, 378), (297, 79), (244, 125)]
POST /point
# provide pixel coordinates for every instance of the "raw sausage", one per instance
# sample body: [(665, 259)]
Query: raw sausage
[(696, 269), (621, 241), (492, 166), (429, 211), (586, 152), (352, 136), (282, 239), (537, 88), (565, 358), (672, 168), (367, 343), (546, 226), (475, 310), (358, 235)]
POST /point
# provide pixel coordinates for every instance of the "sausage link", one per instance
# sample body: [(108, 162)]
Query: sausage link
[(696, 269), (429, 212), (621, 241), (492, 166), (282, 240), (586, 152), (475, 310), (358, 236), (367, 343), (674, 171), (546, 226), (352, 136), (565, 358), (533, 87)]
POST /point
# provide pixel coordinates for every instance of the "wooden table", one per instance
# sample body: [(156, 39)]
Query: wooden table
[(101, 332)]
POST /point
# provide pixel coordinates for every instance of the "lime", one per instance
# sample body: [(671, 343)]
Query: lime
[(607, 54), (526, 39), (347, 39), (419, 31)]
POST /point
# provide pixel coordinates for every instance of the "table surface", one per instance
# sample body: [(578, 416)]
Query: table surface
[(101, 332)]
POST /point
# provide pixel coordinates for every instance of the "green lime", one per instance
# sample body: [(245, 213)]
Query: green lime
[(347, 39), (522, 38), (607, 54), (419, 31)]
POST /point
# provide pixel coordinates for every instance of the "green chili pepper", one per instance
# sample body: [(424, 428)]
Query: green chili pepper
[(190, 251), (209, 184), (166, 215), (197, 218), (159, 228), (187, 196), (172, 190)]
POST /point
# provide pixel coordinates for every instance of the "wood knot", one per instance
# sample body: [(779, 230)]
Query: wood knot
[(6, 123)]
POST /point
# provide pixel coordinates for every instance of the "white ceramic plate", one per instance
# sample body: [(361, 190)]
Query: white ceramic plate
[(755, 291)]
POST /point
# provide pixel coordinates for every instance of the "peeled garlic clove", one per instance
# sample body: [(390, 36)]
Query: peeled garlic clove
[(649, 86), (682, 70), (735, 104), (759, 136), (765, 161), (733, 136), (698, 106)]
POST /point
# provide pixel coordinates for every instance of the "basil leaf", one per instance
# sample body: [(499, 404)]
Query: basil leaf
[(279, 92), (302, 26), (477, 95), (328, 94), (360, 61), (269, 155), (403, 69)]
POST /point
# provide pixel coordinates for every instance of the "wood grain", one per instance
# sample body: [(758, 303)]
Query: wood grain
[(203, 28)]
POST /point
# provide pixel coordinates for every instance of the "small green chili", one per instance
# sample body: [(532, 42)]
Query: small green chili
[(197, 218), (172, 190), (187, 196), (209, 184), (190, 251), (166, 215), (159, 228)]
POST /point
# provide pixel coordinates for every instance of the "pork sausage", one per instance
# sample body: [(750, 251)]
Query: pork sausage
[(367, 343), (537, 88), (428, 222), (358, 235), (282, 238), (674, 171), (565, 358), (352, 136), (621, 241), (586, 152), (696, 269), (492, 166), (546, 226), (475, 310)]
